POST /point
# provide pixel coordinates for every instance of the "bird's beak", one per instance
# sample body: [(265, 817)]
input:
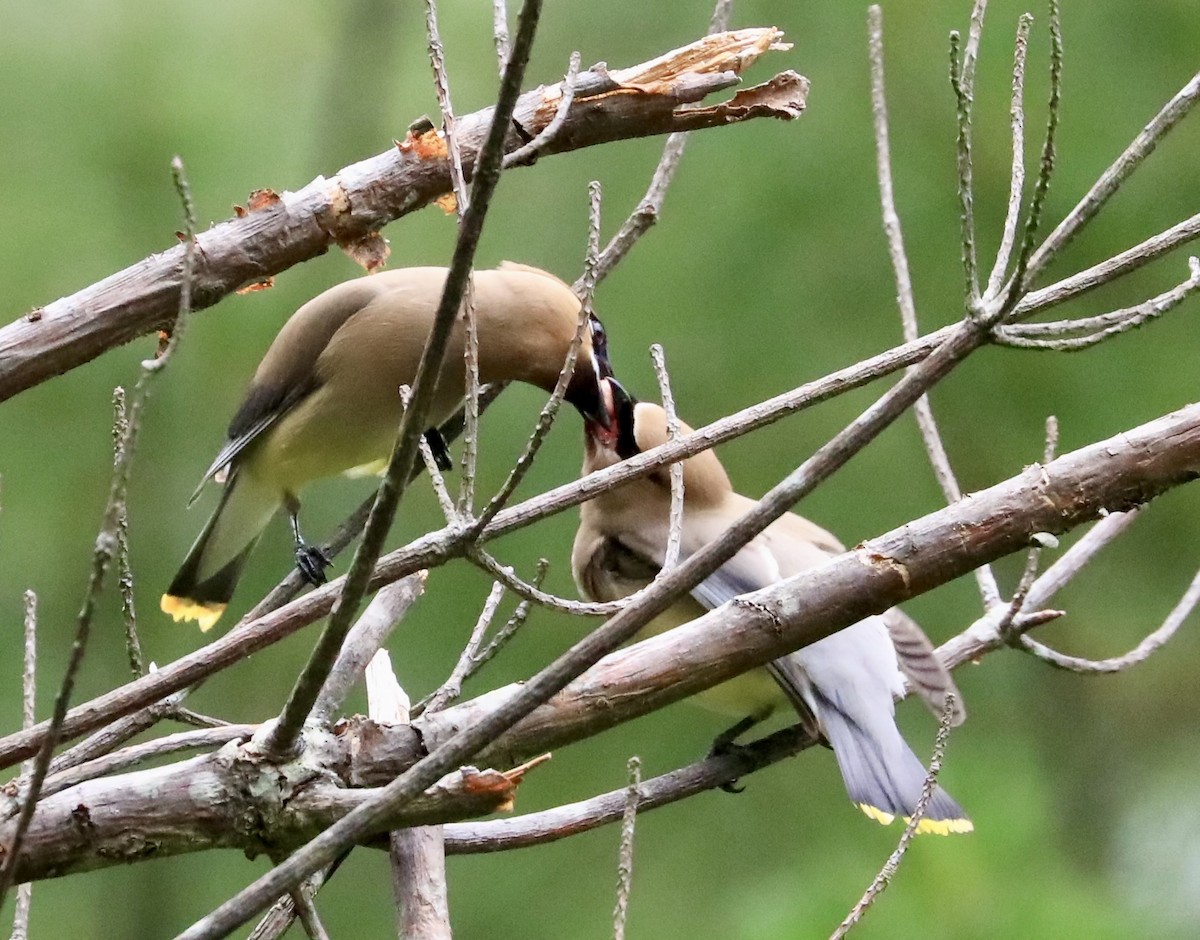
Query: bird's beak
[(587, 392)]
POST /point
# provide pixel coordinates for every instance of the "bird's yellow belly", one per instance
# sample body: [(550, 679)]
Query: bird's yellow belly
[(324, 437), (752, 693)]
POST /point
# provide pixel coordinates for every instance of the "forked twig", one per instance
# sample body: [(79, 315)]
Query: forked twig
[(452, 687), (1139, 654)]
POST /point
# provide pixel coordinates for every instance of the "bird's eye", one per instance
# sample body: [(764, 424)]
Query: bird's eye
[(599, 336)]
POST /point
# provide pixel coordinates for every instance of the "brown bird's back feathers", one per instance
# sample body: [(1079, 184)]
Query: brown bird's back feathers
[(326, 400)]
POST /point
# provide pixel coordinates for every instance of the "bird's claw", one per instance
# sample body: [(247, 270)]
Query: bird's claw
[(311, 562), (722, 746)]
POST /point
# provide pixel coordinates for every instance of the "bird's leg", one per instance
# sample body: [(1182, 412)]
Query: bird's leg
[(311, 560), (723, 743), (441, 450)]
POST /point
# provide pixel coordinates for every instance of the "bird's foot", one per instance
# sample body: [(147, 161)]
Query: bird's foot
[(311, 562), (725, 743)]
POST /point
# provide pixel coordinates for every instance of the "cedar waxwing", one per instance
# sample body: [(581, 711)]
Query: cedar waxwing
[(843, 685), (326, 400)]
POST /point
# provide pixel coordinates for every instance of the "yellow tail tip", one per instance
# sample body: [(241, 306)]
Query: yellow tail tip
[(205, 613), (939, 827)]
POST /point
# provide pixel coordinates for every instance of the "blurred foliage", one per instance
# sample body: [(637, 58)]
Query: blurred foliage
[(768, 268)]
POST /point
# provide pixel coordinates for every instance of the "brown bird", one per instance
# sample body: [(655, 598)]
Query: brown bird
[(326, 400), (843, 685)]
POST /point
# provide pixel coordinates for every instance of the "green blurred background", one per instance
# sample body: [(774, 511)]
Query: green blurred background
[(768, 269)]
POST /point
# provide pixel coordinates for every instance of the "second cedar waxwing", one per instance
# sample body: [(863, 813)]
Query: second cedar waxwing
[(326, 400), (843, 685)]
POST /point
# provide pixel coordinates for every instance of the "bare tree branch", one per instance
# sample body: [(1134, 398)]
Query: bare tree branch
[(513, 832), (640, 101)]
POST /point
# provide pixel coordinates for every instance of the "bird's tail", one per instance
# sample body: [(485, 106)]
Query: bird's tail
[(882, 775), (206, 579)]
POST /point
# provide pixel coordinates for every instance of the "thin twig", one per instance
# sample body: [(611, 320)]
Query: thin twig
[(1016, 187), (531, 592), (963, 82), (29, 673), (1109, 270), (451, 689), (498, 835), (1112, 178), (984, 635), (1021, 277), (550, 410), (276, 922), (646, 214), (140, 753), (441, 87), (450, 512), (133, 644), (890, 867), (1055, 336), (515, 622), (675, 516), (528, 154), (470, 451), (190, 716), (1016, 603), (500, 33), (117, 733), (20, 928), (284, 735), (469, 461), (106, 539), (387, 608), (625, 858), (939, 459)]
